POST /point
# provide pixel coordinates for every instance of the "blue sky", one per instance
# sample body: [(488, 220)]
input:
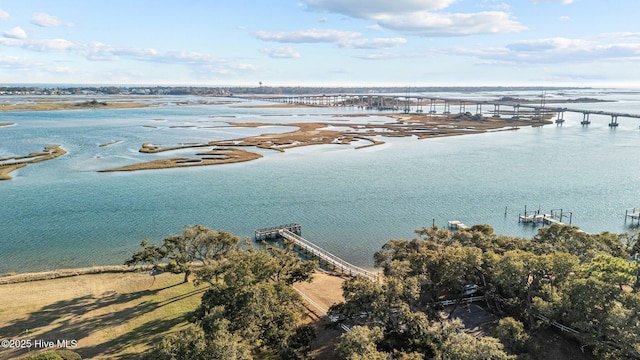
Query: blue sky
[(321, 42)]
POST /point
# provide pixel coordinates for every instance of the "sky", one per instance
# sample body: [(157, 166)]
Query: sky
[(321, 42)]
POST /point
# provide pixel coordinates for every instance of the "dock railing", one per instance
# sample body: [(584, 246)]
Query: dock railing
[(331, 259)]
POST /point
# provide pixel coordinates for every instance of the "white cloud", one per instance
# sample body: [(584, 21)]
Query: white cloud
[(95, 51), (16, 63), (344, 39), (549, 44), (445, 24), (553, 51), (179, 57), (44, 45), (280, 53), (306, 36), (61, 70), (620, 35), (15, 33), (495, 5), (46, 20), (369, 8), (376, 43), (565, 2), (422, 18), (381, 56), (4, 16)]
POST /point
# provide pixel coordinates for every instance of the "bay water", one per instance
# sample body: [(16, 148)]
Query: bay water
[(62, 213)]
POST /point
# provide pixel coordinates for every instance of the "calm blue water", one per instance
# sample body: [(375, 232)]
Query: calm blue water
[(62, 213)]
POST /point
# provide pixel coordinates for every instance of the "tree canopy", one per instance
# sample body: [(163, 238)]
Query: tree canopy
[(249, 308), (196, 244), (588, 282)]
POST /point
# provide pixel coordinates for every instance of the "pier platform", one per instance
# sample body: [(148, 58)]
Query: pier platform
[(555, 217), (274, 231), (546, 219), (456, 225), (633, 214)]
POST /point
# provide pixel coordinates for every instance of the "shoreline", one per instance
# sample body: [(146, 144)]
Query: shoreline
[(17, 278)]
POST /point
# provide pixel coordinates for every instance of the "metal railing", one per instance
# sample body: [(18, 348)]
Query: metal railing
[(327, 256)]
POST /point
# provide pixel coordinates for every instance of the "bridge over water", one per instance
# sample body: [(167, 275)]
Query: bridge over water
[(381, 102)]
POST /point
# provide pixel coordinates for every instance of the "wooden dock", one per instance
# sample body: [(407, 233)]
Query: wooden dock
[(456, 225), (274, 232), (633, 214), (292, 232), (555, 217), (326, 256)]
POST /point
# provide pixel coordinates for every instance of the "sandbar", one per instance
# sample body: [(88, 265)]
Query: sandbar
[(216, 156), (110, 143), (9, 164), (6, 123)]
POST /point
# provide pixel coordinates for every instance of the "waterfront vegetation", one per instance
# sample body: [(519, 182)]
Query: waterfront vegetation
[(586, 282), (244, 305)]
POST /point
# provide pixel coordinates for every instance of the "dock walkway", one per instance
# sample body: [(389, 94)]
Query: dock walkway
[(292, 232), (326, 256)]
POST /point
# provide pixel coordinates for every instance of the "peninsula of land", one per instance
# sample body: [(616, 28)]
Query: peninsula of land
[(421, 126), (69, 105), (9, 164)]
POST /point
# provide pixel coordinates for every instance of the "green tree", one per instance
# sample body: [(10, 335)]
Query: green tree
[(607, 317), (612, 269), (450, 342), (193, 344), (462, 346), (512, 334), (254, 295), (520, 276), (196, 244), (361, 344), (569, 239)]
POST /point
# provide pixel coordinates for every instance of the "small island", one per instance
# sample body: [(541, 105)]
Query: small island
[(421, 126), (9, 164)]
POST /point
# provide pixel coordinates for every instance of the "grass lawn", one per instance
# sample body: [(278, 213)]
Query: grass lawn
[(111, 316)]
